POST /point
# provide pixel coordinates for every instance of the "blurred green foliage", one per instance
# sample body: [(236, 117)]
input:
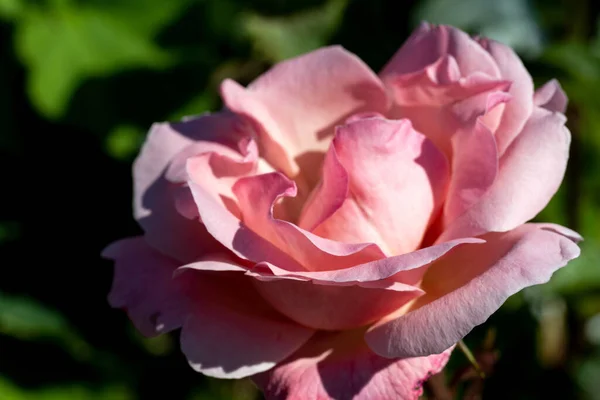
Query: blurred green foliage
[(84, 79), (279, 38), (62, 43)]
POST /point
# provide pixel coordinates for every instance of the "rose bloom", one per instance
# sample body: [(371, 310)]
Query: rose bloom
[(333, 233)]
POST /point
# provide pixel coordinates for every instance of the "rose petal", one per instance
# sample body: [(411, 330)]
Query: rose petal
[(551, 97), (341, 366), (335, 307), (226, 162), (561, 230), (530, 172), (466, 287), (297, 103), (213, 262), (154, 205), (474, 150), (396, 183), (429, 43), (214, 165), (439, 104), (257, 196), (144, 287), (520, 107), (233, 234), (474, 169), (217, 174), (379, 270), (329, 194), (232, 332)]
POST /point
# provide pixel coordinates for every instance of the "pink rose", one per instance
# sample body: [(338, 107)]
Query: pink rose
[(332, 232)]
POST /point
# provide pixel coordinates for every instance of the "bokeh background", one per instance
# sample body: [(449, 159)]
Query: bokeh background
[(82, 80)]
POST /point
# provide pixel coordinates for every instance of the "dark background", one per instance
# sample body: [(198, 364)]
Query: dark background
[(82, 81)]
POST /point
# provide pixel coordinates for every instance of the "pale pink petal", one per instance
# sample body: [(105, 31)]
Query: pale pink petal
[(154, 204), (551, 97), (340, 366), (429, 43), (466, 287), (213, 165), (474, 169), (240, 100), (441, 84), (380, 270), (397, 181), (438, 103), (520, 107), (561, 230), (474, 151), (211, 176), (334, 307), (226, 161), (297, 103), (233, 234), (217, 173), (231, 332), (530, 172), (329, 194), (144, 287), (257, 196), (214, 262)]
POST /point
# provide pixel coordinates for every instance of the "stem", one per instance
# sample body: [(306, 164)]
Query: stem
[(467, 352)]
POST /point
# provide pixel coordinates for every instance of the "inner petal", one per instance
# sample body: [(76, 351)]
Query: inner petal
[(395, 182), (295, 106), (257, 195)]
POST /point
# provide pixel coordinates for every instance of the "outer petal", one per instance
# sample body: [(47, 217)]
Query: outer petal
[(397, 267), (299, 101), (211, 176), (144, 287), (341, 366), (216, 168), (154, 205), (466, 287), (520, 107), (335, 307), (551, 97), (530, 173), (429, 43), (226, 161), (232, 332), (220, 264), (396, 183)]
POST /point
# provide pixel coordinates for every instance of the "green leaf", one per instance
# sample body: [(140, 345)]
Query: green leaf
[(64, 44), (10, 9), (575, 58), (11, 391), (26, 319), (279, 38), (124, 141), (146, 17)]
